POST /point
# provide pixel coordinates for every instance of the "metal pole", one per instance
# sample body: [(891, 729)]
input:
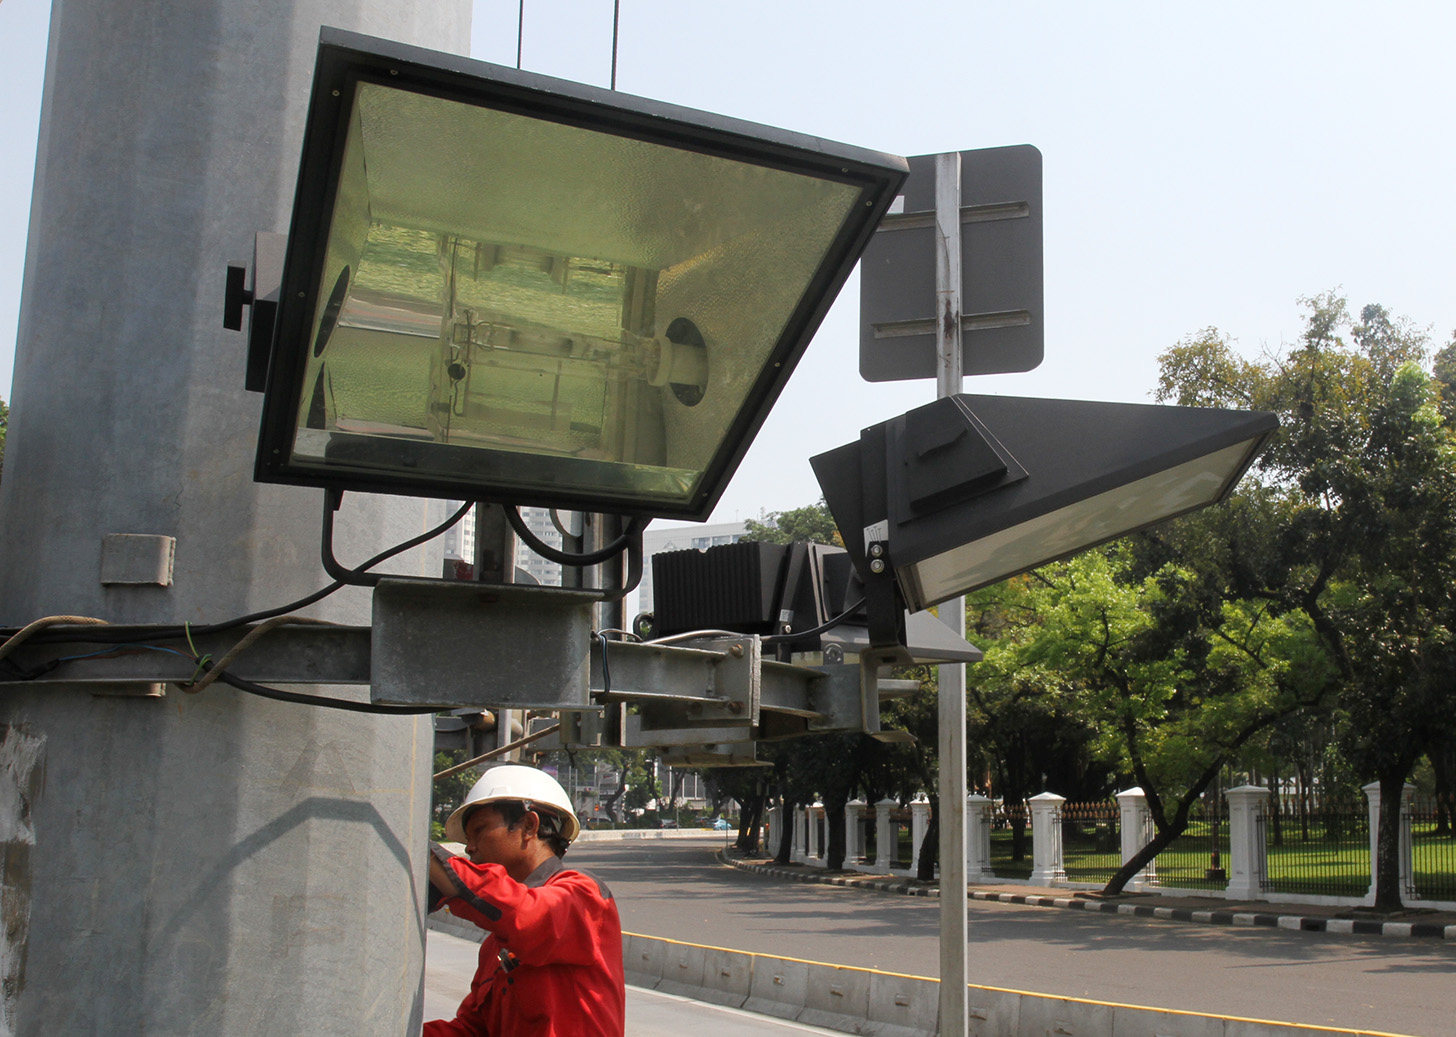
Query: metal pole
[(952, 676)]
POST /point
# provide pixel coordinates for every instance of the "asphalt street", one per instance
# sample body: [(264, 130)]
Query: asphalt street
[(678, 890)]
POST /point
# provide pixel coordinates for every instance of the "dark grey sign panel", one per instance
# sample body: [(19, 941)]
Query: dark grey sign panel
[(1001, 271)]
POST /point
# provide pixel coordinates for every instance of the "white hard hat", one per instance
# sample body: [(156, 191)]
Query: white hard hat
[(513, 781)]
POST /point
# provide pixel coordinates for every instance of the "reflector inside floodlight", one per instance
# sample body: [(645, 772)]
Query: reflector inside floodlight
[(537, 292), (1076, 527)]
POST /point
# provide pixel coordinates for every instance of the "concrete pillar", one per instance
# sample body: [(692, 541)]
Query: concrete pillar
[(1248, 846), (772, 833), (853, 830), (797, 852), (884, 834), (978, 838), (919, 821), (1046, 839), (814, 854), (1407, 849), (1135, 828), (215, 863)]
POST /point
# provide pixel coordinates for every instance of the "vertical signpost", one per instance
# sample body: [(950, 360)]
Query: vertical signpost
[(982, 235), (951, 729)]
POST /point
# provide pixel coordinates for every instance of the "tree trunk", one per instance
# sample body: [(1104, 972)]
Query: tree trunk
[(1139, 860), (1387, 842), (786, 841), (930, 845), (749, 820)]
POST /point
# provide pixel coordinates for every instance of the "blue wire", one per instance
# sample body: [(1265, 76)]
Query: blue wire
[(118, 647)]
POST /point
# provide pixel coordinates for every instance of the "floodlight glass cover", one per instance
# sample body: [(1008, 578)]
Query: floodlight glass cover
[(969, 490), (505, 287)]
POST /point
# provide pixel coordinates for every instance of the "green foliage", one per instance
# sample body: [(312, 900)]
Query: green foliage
[(448, 793), (1356, 508), (810, 524), (4, 425)]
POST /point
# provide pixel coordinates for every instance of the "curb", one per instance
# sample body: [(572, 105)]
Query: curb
[(1250, 919)]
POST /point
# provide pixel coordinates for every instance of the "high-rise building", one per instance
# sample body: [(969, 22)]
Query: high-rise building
[(460, 543)]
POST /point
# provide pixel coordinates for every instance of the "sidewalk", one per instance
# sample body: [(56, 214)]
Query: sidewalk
[(450, 963), (1209, 910)]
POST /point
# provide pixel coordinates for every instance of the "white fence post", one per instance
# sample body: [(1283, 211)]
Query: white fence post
[(919, 822), (800, 817), (1046, 839), (884, 834), (815, 852), (978, 839), (1407, 870), (853, 831), (1248, 844), (1135, 827), (771, 831)]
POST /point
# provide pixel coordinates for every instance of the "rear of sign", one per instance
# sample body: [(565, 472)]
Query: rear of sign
[(1001, 271)]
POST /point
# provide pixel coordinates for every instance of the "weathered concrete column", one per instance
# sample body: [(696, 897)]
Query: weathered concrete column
[(919, 822), (1248, 850), (884, 834), (216, 863), (771, 830), (1047, 868), (1407, 849), (800, 832), (853, 831), (978, 838), (815, 852), (1135, 829)]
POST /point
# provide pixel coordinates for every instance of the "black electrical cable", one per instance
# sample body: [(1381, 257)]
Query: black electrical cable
[(100, 634), (633, 532), (263, 691), (774, 639)]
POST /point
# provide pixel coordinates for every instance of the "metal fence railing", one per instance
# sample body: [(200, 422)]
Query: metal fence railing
[(1316, 847), (1011, 841), (1091, 840), (1198, 859), (902, 832), (1433, 848)]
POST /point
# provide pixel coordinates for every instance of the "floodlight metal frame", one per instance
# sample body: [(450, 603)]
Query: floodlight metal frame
[(1033, 467), (347, 59)]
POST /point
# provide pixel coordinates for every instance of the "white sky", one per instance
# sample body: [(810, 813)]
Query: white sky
[(1205, 164)]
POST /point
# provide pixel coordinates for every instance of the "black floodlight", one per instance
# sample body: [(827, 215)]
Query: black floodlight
[(972, 489), (500, 286), (807, 597)]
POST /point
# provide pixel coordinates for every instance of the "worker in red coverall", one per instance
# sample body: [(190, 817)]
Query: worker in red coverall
[(551, 964)]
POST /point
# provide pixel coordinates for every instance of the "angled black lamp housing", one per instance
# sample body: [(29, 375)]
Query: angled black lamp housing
[(500, 286), (969, 490)]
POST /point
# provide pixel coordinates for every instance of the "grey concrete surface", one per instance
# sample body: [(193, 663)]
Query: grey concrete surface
[(176, 865), (679, 891)]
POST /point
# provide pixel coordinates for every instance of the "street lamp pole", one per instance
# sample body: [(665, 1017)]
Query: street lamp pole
[(952, 676)]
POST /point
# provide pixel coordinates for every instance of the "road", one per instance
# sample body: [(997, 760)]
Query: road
[(677, 890)]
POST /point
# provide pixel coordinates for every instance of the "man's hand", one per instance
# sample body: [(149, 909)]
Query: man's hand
[(440, 876)]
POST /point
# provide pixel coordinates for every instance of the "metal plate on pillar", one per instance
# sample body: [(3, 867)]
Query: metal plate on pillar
[(458, 643)]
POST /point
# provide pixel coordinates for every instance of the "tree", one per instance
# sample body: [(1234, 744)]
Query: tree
[(1362, 477), (811, 524), (1174, 681), (4, 424)]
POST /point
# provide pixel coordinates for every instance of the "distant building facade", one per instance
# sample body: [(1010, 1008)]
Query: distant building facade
[(460, 543)]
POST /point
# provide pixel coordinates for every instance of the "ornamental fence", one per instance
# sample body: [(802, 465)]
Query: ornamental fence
[(1249, 844), (1433, 848), (1316, 846)]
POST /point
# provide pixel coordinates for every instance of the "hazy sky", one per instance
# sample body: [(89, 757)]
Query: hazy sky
[(1205, 164)]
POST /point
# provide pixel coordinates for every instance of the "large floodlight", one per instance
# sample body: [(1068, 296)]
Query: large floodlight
[(505, 287), (972, 489)]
